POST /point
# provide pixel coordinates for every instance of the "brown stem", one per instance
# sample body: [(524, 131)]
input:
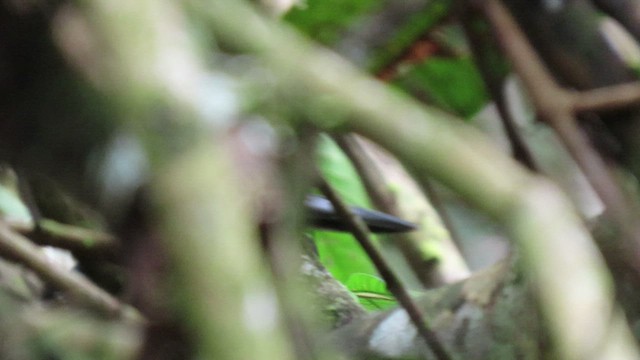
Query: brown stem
[(483, 45), (383, 200), (18, 248), (361, 233), (430, 273), (74, 238), (607, 98), (555, 106)]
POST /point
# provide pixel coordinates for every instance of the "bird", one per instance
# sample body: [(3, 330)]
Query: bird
[(321, 214)]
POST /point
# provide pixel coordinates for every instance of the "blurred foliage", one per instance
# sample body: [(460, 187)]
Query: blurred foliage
[(371, 291), (452, 84), (445, 77), (410, 30), (326, 20), (449, 81)]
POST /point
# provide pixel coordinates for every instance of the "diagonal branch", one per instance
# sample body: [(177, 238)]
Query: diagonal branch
[(432, 144), (555, 106), (431, 272), (18, 248), (360, 232)]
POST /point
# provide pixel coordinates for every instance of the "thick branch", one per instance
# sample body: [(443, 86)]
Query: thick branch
[(150, 67)]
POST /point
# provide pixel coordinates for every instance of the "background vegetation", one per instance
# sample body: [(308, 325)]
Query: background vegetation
[(168, 147)]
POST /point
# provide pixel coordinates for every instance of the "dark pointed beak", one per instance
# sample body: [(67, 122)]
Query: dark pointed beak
[(322, 214)]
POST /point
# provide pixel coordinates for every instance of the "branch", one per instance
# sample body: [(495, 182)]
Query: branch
[(432, 143), (555, 106), (607, 98), (73, 238), (432, 270), (148, 63), (361, 233), (18, 248), (494, 72)]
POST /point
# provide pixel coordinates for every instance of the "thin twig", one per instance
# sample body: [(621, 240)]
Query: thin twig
[(555, 106), (361, 233), (607, 98), (18, 248), (524, 59), (429, 275), (74, 238), (482, 43), (381, 197)]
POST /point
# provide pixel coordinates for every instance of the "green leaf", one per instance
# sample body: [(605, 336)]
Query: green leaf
[(326, 20), (453, 84), (371, 291), (341, 255), (339, 251), (408, 33), (340, 173)]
